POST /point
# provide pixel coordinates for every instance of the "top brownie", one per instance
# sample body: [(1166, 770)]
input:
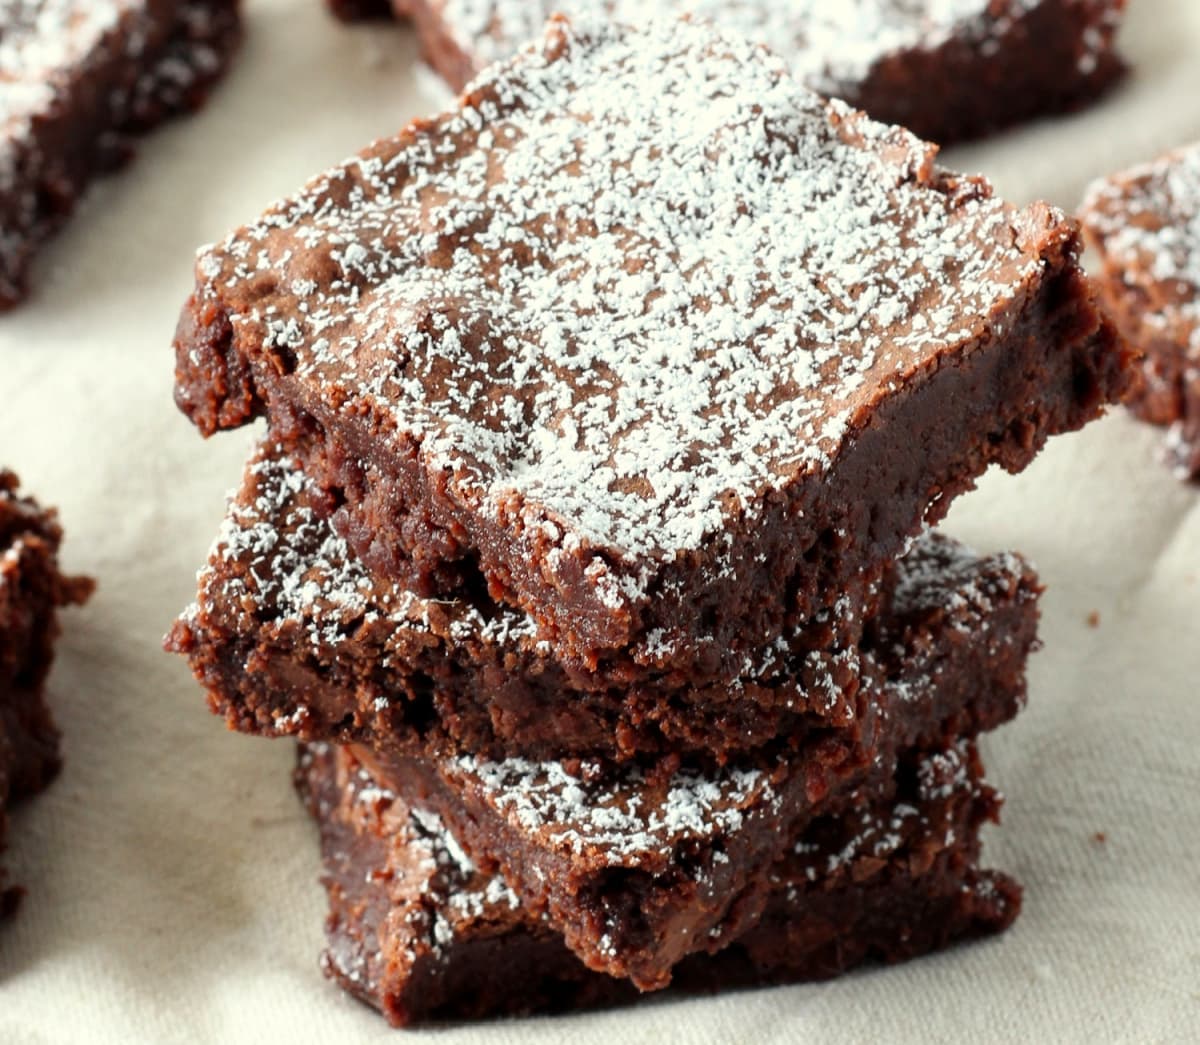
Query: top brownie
[(946, 71), (649, 338)]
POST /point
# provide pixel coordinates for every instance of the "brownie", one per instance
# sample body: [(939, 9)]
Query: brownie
[(648, 340), (291, 635), (946, 72), (638, 866), (1145, 224), (80, 78), (31, 591), (421, 933)]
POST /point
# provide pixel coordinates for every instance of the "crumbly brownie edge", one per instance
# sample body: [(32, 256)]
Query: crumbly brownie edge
[(452, 946), (91, 131), (32, 589)]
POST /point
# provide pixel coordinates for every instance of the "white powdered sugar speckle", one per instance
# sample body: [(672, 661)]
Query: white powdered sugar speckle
[(621, 821), (1146, 222), (833, 45)]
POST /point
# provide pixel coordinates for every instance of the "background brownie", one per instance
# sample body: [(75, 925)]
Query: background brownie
[(78, 78), (1145, 223), (31, 591), (638, 866), (945, 71), (571, 385), (290, 635), (417, 930)]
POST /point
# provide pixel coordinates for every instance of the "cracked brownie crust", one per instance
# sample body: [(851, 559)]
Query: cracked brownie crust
[(78, 80), (520, 348), (290, 635), (945, 71), (31, 591), (420, 932), (1145, 224)]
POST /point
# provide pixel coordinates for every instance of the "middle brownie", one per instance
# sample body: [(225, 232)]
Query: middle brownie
[(290, 635)]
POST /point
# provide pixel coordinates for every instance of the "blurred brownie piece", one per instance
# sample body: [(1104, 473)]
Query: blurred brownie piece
[(417, 930), (31, 591), (649, 341), (1145, 225), (945, 71), (80, 78)]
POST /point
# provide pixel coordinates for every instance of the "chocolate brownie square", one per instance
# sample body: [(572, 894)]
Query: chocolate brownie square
[(31, 591), (1145, 224), (78, 79), (944, 71), (639, 865), (648, 340), (417, 930), (290, 634)]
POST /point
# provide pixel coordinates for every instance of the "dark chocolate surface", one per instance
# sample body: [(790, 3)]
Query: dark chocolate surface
[(638, 866), (945, 71)]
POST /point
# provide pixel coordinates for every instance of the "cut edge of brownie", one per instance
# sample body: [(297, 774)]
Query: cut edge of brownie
[(422, 934), (32, 589), (89, 129), (1047, 362)]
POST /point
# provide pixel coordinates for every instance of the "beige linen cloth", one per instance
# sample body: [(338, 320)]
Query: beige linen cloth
[(173, 876)]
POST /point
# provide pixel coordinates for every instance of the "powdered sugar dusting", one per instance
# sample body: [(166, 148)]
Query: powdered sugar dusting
[(833, 45), (619, 822), (634, 283), (53, 57), (293, 566), (940, 574), (1146, 222)]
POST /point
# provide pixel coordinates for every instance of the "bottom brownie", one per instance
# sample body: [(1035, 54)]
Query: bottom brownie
[(416, 930), (31, 591)]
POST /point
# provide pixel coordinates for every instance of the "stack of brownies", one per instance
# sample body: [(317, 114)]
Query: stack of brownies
[(585, 550)]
